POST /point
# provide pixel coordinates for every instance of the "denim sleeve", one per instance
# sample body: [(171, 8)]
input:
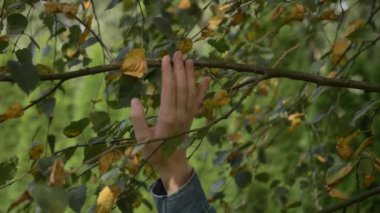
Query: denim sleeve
[(190, 198)]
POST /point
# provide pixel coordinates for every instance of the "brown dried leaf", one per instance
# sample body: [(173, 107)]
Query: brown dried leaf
[(24, 196), (86, 31), (134, 63), (57, 176), (68, 9), (336, 193), (327, 16), (36, 151), (366, 143), (338, 176), (354, 26), (14, 111), (344, 147), (106, 160), (184, 4), (368, 180), (297, 13), (185, 45)]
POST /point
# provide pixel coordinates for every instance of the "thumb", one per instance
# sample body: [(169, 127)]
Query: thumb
[(140, 126)]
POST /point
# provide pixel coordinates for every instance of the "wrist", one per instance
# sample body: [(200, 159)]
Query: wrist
[(174, 174)]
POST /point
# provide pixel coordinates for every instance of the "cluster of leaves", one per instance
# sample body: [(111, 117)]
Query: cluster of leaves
[(323, 37)]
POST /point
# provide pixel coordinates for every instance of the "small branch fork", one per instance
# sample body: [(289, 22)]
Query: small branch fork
[(244, 68)]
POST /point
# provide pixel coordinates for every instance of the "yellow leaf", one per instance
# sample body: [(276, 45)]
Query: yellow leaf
[(344, 147), (336, 193), (332, 74), (224, 8), (327, 15), (134, 63), (338, 176), (185, 45), (221, 98), (57, 177), (366, 143), (107, 160), (338, 49), (184, 4), (368, 180), (36, 151), (320, 158), (68, 9), (354, 26), (43, 69), (297, 13), (86, 31), (14, 111), (295, 120), (133, 165), (106, 199)]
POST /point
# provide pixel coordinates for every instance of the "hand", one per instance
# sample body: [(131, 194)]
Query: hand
[(180, 101)]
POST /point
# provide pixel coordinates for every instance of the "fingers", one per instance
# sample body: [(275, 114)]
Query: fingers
[(189, 65), (202, 91), (181, 84), (140, 126), (168, 92)]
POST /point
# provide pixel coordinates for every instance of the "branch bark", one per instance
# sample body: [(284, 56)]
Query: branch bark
[(355, 199), (268, 72)]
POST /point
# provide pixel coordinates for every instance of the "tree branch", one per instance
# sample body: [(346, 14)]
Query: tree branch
[(244, 68), (355, 199)]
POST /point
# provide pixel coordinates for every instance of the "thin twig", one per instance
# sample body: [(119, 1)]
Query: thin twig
[(352, 200), (244, 68)]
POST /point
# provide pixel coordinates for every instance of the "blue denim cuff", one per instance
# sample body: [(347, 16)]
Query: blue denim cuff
[(189, 198)]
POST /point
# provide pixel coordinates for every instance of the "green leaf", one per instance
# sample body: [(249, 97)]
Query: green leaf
[(220, 45), (243, 178), (47, 106), (215, 136), (75, 33), (44, 165), (129, 88), (99, 119), (49, 199), (25, 75), (367, 108), (262, 177), (170, 146), (8, 170), (282, 194), (24, 56), (112, 4), (294, 204), (75, 128), (68, 153), (91, 152), (3, 46), (16, 23), (77, 197), (163, 25)]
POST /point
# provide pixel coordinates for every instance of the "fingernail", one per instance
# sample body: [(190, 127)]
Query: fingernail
[(134, 102)]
